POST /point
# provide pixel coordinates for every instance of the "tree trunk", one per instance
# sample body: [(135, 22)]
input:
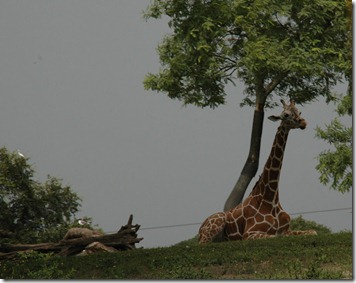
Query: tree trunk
[(251, 164)]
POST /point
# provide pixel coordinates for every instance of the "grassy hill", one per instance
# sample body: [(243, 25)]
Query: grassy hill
[(326, 256)]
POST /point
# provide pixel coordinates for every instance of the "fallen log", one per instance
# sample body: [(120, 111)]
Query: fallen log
[(96, 247), (124, 239)]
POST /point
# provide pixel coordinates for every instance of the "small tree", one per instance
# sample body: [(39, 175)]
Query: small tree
[(335, 166), (31, 211), (294, 48)]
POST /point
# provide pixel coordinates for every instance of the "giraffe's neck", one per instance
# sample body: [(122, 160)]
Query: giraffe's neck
[(267, 186)]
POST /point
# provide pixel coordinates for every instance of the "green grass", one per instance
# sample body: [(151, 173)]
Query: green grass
[(326, 256)]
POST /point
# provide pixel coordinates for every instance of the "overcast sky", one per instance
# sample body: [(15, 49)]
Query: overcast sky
[(72, 100)]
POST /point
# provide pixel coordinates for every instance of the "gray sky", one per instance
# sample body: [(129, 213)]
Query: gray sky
[(72, 100)]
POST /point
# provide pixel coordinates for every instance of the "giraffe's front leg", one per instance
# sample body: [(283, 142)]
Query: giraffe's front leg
[(257, 235), (262, 229)]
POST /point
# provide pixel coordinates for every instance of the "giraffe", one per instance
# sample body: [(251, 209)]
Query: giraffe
[(260, 215)]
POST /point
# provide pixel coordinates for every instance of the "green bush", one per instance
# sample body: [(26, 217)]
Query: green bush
[(300, 223), (34, 265)]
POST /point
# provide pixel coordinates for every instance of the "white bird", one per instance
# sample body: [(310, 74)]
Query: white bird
[(20, 154), (82, 222)]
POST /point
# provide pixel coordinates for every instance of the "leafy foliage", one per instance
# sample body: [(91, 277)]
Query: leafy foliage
[(37, 266), (295, 48), (335, 166), (31, 211), (299, 223)]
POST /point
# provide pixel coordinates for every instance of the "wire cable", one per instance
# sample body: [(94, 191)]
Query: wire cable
[(199, 223)]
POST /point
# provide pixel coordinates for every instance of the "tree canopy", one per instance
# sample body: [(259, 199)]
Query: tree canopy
[(293, 48), (32, 211)]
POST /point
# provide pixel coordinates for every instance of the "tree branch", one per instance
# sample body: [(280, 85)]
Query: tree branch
[(275, 82)]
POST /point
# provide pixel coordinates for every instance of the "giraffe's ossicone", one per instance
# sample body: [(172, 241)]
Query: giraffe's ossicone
[(260, 215)]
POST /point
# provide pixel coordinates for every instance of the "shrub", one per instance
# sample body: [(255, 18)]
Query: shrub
[(34, 265), (300, 223)]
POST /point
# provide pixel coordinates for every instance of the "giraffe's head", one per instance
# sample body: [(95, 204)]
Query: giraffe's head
[(290, 117)]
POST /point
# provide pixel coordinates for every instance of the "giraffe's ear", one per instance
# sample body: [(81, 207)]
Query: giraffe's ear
[(274, 118), (283, 103)]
